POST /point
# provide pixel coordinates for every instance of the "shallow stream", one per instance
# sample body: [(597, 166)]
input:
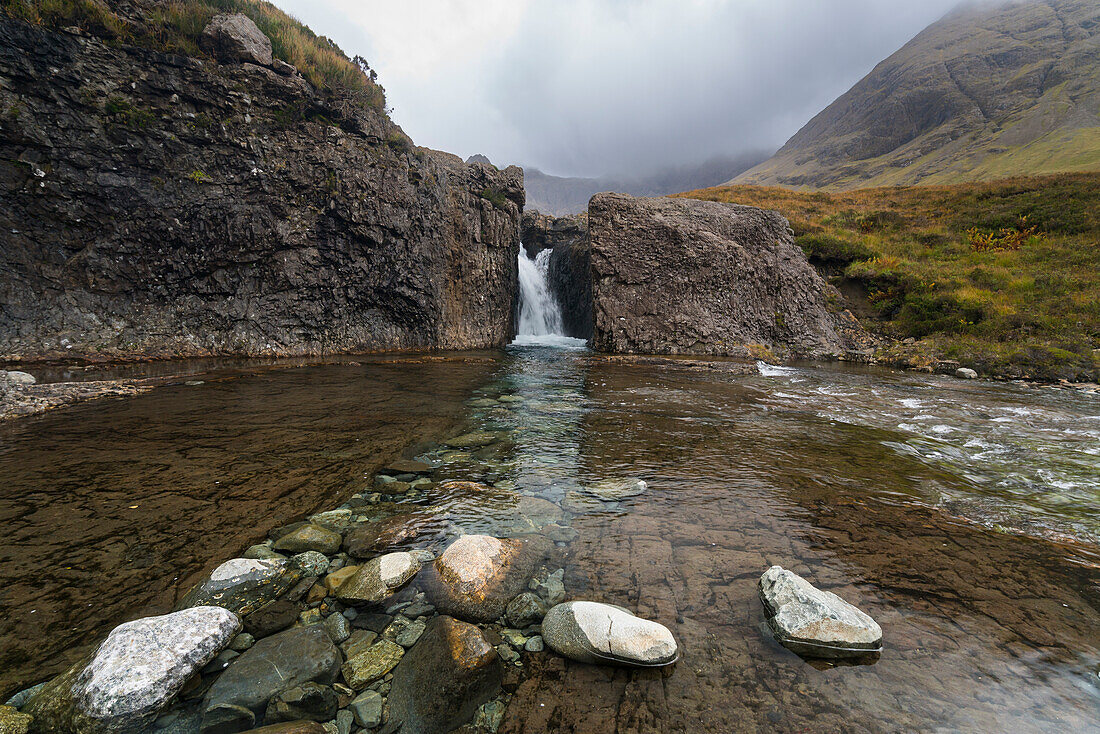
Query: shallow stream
[(963, 516)]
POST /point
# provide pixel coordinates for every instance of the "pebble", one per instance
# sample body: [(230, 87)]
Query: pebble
[(344, 719), (366, 709), (535, 644), (242, 642), (337, 627), (311, 563), (408, 636)]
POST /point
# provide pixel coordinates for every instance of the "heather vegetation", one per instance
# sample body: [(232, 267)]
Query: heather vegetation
[(175, 27), (1003, 277)]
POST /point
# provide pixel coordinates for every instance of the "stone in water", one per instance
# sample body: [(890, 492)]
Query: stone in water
[(590, 632), (815, 623)]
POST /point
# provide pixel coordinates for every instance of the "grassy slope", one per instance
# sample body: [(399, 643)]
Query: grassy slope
[(175, 27), (907, 254)]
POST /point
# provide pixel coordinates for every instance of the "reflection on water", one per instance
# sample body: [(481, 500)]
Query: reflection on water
[(812, 469), (110, 509), (893, 490)]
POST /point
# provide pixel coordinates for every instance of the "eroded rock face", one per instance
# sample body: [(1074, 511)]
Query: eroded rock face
[(231, 210), (137, 670), (679, 276), (243, 585), (813, 622), (590, 632), (442, 680), (478, 575)]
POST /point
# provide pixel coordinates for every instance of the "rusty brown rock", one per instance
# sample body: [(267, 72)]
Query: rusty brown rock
[(476, 577), (457, 665), (391, 533)]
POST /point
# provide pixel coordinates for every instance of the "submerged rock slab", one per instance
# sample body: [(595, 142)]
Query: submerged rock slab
[(372, 538), (478, 575), (442, 680), (679, 276), (590, 632), (137, 670), (813, 622), (243, 585), (239, 697)]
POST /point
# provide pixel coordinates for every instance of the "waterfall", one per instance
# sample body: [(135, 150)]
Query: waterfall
[(539, 312)]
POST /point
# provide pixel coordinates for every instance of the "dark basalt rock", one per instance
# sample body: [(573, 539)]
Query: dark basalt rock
[(679, 276), (441, 681), (155, 205), (274, 664)]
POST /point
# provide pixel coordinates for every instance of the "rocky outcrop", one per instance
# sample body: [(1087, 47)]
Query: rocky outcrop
[(679, 276), (570, 264), (156, 205)]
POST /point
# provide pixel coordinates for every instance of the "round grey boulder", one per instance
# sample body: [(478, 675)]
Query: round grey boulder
[(590, 632), (15, 377)]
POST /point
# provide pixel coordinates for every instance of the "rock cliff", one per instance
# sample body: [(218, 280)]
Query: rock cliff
[(678, 276), (163, 205)]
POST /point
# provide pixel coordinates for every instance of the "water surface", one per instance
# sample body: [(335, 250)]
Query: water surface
[(961, 515)]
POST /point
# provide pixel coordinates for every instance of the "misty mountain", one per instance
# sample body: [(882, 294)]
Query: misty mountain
[(559, 195), (989, 91)]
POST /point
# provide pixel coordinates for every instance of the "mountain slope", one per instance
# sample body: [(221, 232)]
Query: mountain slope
[(990, 90), (561, 196)]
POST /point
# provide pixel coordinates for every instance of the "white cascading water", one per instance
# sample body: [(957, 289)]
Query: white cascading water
[(539, 312)]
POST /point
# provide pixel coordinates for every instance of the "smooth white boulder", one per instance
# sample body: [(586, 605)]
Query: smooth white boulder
[(138, 669), (813, 622), (590, 632)]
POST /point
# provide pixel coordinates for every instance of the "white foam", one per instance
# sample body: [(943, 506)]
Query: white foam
[(555, 341)]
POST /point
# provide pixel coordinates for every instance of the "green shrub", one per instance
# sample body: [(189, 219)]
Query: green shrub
[(496, 197), (829, 249)]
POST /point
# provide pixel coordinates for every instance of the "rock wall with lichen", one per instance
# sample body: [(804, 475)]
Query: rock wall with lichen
[(157, 205)]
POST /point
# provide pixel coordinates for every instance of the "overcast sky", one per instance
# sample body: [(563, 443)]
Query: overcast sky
[(593, 87)]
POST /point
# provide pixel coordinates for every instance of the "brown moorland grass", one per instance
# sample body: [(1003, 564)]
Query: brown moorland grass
[(175, 27), (1001, 276)]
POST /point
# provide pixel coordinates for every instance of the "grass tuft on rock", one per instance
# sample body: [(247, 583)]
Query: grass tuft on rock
[(175, 27)]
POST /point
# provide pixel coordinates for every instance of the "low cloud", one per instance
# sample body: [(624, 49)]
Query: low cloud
[(589, 87)]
